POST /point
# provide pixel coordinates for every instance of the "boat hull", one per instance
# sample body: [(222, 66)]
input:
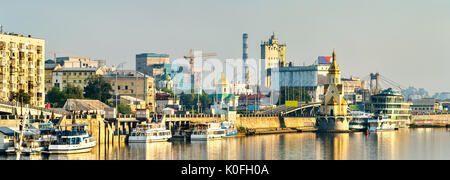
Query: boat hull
[(146, 139), (205, 137), (70, 149)]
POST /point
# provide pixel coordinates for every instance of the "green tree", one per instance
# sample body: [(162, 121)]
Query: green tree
[(204, 100), (73, 92), (123, 109), (98, 89), (56, 97), (294, 94), (21, 96), (187, 100)]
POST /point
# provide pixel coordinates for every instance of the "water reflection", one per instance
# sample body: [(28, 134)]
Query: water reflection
[(402, 144)]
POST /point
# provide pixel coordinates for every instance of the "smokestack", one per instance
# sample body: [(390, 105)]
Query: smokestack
[(245, 56)]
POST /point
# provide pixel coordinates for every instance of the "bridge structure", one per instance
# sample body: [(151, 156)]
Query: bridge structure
[(15, 108), (302, 110)]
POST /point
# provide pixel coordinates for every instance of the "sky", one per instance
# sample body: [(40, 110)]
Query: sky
[(404, 40)]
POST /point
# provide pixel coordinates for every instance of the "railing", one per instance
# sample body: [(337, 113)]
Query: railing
[(431, 113), (17, 104)]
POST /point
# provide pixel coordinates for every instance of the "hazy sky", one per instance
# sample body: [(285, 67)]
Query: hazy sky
[(405, 40)]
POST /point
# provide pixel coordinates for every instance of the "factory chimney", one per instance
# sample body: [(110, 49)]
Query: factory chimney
[(245, 57)]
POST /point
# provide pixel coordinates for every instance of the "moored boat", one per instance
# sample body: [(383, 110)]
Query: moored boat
[(208, 131), (75, 140), (359, 120), (229, 128), (153, 132), (381, 123)]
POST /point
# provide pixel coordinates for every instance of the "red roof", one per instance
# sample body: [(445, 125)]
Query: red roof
[(252, 96)]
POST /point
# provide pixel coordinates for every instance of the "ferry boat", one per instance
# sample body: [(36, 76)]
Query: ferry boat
[(208, 131), (359, 120), (76, 140), (153, 132), (381, 123), (230, 130)]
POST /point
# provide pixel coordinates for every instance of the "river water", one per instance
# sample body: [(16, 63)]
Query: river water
[(420, 143)]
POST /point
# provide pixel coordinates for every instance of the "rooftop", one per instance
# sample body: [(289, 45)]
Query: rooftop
[(144, 55), (84, 105), (76, 69), (125, 74), (390, 92)]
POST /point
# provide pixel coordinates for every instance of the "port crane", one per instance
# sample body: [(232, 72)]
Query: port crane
[(191, 58)]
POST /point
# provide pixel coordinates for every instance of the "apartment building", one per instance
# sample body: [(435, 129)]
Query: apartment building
[(22, 67)]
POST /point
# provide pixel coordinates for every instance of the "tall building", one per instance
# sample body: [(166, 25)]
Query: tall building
[(273, 55), (22, 67), (151, 64), (134, 84), (311, 77)]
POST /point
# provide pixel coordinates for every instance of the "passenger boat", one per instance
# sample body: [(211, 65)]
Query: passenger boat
[(230, 130), (381, 123), (208, 131), (75, 140), (153, 132), (359, 120)]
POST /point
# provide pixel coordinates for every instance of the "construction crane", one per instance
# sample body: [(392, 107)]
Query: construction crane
[(54, 52), (191, 58)]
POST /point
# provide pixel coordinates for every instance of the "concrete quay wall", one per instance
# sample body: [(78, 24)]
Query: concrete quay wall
[(251, 121), (195, 118), (257, 122), (430, 119), (274, 122)]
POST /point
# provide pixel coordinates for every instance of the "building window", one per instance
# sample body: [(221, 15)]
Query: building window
[(132, 83), (74, 81), (85, 73), (79, 81), (79, 73), (126, 87), (118, 87), (64, 74), (64, 81), (131, 91)]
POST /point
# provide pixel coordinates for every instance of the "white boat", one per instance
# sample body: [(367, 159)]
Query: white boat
[(359, 120), (76, 140), (381, 123), (153, 132), (229, 128), (209, 131)]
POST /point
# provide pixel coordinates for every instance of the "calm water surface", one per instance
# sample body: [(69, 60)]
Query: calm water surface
[(421, 143)]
